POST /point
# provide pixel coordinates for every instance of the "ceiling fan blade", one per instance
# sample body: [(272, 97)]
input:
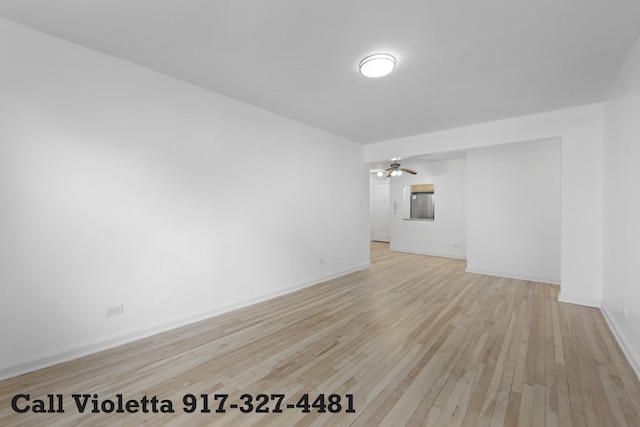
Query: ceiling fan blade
[(388, 169), (389, 174), (408, 171)]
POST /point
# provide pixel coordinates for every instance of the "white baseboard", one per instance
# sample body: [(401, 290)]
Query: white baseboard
[(573, 299), (632, 357), (438, 254), (86, 348), (511, 276)]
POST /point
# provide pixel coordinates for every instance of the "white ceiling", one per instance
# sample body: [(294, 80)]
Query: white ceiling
[(459, 62)]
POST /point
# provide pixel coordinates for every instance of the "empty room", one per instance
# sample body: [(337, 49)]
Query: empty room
[(339, 213)]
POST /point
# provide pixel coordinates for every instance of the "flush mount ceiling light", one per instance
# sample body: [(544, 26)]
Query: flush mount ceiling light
[(377, 65)]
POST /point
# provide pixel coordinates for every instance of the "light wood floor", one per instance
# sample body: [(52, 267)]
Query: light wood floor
[(414, 339)]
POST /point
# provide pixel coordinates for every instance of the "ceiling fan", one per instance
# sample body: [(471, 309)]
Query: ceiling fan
[(395, 170)]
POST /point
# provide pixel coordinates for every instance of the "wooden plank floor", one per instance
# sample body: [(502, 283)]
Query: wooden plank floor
[(416, 340)]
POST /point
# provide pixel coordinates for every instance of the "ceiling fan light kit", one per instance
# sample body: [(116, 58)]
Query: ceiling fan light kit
[(395, 170)]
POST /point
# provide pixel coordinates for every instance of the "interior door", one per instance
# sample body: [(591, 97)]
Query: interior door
[(380, 212)]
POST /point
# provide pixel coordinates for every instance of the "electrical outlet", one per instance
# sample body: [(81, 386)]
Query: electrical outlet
[(321, 261), (162, 299), (625, 310), (112, 311)]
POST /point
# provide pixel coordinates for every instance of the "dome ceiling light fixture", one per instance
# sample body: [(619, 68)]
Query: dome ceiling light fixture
[(377, 65)]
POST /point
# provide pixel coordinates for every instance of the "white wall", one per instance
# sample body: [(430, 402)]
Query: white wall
[(622, 206), (119, 184), (446, 234), (514, 210), (580, 131)]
